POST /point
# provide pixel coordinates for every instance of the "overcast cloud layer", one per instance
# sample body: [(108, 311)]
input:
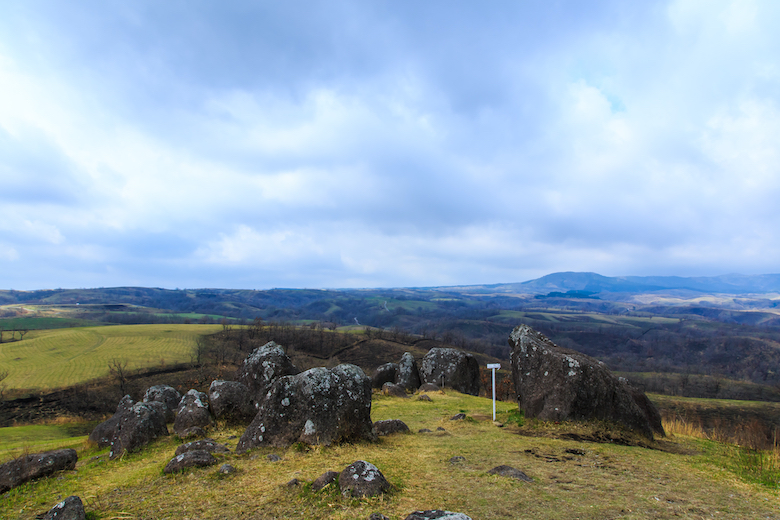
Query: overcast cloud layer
[(376, 144)]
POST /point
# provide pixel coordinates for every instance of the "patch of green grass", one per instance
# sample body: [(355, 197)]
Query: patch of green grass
[(47, 359)]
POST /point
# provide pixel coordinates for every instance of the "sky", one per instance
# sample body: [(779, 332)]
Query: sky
[(342, 144)]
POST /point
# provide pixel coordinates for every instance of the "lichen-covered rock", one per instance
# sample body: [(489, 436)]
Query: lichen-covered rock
[(72, 508), (136, 427), (190, 459), (167, 395), (103, 432), (231, 402), (451, 368), (390, 426), (408, 376), (208, 445), (510, 472), (436, 514), (394, 390), (27, 467), (384, 374), (557, 384), (362, 479), (193, 410), (264, 365), (319, 406)]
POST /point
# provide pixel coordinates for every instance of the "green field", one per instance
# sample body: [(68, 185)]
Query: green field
[(48, 359), (683, 478)]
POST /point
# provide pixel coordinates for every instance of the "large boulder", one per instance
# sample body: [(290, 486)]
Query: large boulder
[(27, 467), (103, 432), (230, 401), (193, 411), (167, 395), (384, 374), (451, 368), (136, 427), (408, 375), (557, 384), (262, 367), (319, 406)]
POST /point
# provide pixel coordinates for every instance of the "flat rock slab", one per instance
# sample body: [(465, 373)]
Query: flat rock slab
[(362, 479), (327, 478), (390, 426), (72, 508), (27, 467), (510, 472), (208, 445), (190, 459), (437, 514)]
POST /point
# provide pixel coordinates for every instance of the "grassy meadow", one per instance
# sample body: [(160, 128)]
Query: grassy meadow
[(680, 476), (56, 358)]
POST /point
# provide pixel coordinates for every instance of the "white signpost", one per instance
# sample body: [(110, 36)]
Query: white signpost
[(494, 367)]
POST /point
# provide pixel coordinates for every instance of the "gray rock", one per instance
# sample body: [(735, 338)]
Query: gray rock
[(510, 472), (429, 387), (293, 483), (193, 432), (436, 514), (264, 365), (424, 397), (69, 509), (103, 432), (557, 384), (231, 402), (377, 516), (390, 426), (386, 373), (408, 376), (27, 467), (362, 479), (190, 459), (193, 410), (424, 430), (131, 427), (208, 445), (273, 457), (394, 390), (453, 368), (327, 478), (226, 469), (458, 417), (167, 395), (457, 459), (319, 406)]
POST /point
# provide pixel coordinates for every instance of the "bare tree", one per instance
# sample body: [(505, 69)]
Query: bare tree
[(22, 333), (117, 368)]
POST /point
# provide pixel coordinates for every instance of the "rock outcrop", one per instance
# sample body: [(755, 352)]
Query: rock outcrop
[(193, 410), (262, 367), (557, 384), (451, 368), (28, 467), (386, 373), (408, 376), (132, 426), (230, 401), (167, 395), (319, 406)]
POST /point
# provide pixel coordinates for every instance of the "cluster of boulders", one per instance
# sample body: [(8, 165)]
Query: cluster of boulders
[(442, 367)]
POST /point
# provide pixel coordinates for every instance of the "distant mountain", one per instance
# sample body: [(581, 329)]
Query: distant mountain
[(596, 283)]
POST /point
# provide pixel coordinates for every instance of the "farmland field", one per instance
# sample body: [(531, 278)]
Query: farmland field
[(48, 359)]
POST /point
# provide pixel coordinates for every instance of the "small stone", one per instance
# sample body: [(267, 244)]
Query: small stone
[(273, 457), (362, 479), (390, 426), (458, 417), (424, 430), (378, 516), (190, 459), (327, 478), (437, 514), (457, 458), (293, 483), (227, 469), (424, 397), (440, 429), (510, 472), (193, 432)]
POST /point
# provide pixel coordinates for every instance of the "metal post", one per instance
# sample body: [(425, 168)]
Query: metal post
[(493, 367)]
